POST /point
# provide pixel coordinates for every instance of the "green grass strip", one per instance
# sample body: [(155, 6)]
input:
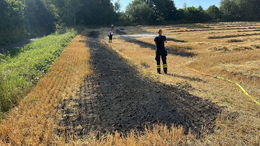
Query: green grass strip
[(19, 73)]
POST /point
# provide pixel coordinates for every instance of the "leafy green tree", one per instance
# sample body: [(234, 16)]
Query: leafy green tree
[(3, 14), (65, 11), (181, 14), (193, 14), (38, 18), (214, 12), (164, 8), (96, 12), (240, 9), (117, 6), (140, 12), (249, 9), (123, 19), (230, 10), (11, 21)]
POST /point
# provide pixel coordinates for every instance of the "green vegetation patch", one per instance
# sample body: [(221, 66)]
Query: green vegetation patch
[(20, 72)]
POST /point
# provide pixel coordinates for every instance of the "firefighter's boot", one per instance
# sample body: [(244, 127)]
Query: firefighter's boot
[(165, 68), (159, 69)]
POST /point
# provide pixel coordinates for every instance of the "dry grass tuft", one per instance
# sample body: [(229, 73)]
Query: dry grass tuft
[(158, 135), (235, 41), (256, 46), (145, 65), (242, 48), (220, 49)]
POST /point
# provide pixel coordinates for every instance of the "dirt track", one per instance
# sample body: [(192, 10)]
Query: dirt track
[(116, 98)]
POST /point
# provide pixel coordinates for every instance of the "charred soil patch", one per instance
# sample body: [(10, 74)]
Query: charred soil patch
[(116, 98)]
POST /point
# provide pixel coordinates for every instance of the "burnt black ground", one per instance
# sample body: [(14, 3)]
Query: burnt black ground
[(116, 98)]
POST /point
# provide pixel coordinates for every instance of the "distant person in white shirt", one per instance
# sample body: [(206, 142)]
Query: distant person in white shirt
[(110, 36), (112, 27)]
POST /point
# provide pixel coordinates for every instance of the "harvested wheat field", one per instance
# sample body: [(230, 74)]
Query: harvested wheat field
[(100, 93)]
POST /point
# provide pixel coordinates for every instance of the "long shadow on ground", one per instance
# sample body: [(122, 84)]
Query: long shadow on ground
[(13, 49), (120, 31), (176, 40), (187, 78), (116, 98), (179, 51)]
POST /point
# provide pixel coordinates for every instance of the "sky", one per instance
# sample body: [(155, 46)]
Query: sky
[(180, 3)]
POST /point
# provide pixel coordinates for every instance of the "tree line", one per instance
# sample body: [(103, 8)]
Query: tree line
[(21, 19), (27, 18), (163, 11)]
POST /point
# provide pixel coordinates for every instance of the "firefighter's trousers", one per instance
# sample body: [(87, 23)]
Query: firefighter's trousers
[(161, 55)]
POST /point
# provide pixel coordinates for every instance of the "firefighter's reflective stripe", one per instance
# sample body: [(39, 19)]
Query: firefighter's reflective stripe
[(165, 66), (158, 66)]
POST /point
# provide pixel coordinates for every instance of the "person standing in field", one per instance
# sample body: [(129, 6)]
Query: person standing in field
[(112, 27), (161, 52), (110, 36)]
